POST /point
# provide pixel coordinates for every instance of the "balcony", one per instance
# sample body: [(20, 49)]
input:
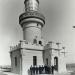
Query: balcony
[(32, 14)]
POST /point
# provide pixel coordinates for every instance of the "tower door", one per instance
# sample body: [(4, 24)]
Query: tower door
[(56, 63)]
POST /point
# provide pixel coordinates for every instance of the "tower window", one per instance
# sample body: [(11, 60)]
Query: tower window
[(46, 61), (40, 42), (15, 61), (35, 41), (37, 24), (34, 60)]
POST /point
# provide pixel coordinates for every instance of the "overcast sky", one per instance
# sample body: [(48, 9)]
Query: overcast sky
[(60, 17)]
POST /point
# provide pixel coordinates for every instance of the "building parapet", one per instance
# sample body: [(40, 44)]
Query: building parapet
[(27, 45), (52, 45), (15, 47)]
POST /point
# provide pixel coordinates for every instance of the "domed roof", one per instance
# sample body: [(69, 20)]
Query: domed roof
[(27, 0)]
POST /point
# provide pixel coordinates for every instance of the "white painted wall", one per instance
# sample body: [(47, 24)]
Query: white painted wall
[(62, 64), (27, 59), (30, 30), (47, 55), (15, 69)]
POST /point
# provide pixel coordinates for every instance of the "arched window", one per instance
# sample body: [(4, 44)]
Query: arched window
[(35, 41), (56, 63)]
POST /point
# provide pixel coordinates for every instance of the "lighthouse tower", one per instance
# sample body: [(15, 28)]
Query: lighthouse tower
[(32, 21)]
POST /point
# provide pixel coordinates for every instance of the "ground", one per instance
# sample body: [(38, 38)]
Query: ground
[(9, 73)]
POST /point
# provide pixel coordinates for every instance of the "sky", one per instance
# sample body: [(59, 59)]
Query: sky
[(60, 19)]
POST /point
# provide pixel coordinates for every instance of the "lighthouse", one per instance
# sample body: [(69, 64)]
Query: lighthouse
[(32, 56)]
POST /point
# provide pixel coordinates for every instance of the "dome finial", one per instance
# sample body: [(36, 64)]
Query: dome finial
[(31, 5)]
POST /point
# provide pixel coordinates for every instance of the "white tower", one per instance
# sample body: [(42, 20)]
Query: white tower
[(31, 21)]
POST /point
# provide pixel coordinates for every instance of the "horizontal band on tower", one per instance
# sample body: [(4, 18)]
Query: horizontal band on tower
[(31, 20), (33, 14)]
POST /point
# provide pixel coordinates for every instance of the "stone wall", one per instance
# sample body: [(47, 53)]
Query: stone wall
[(15, 68)]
